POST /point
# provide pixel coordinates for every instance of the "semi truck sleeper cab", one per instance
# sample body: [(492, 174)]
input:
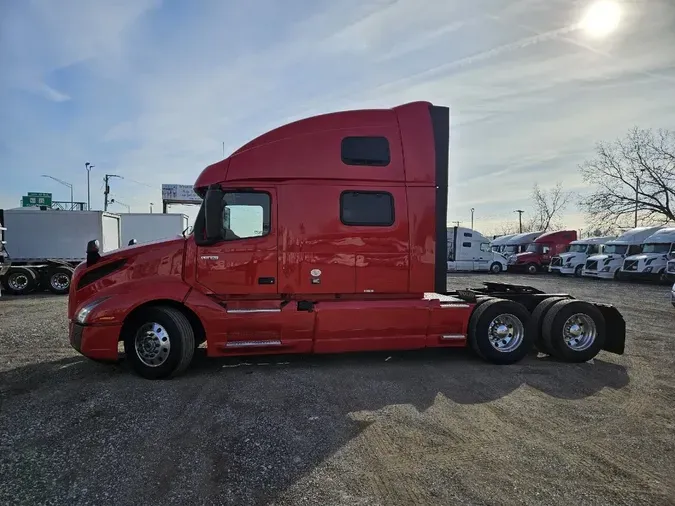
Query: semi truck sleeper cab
[(324, 235)]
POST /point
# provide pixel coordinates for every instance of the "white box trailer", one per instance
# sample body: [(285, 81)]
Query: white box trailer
[(148, 227), (41, 248)]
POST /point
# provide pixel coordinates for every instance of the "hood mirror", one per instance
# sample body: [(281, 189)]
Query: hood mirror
[(132, 242), (93, 254)]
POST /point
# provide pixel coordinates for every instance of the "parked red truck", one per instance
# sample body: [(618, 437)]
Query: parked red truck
[(538, 254), (324, 235)]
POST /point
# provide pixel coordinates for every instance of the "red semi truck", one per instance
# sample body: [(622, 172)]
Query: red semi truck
[(538, 254), (324, 235)]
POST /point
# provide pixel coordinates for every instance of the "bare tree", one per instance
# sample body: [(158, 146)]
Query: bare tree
[(632, 177), (547, 207)]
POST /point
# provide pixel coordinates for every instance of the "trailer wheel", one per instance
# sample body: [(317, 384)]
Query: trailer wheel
[(532, 268), (58, 279), (19, 281), (536, 321), (578, 271), (160, 343), (574, 330), (498, 331), (496, 268)]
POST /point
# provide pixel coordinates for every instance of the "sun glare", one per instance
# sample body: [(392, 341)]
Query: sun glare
[(601, 18)]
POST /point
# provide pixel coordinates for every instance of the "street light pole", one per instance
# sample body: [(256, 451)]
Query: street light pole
[(64, 183), (88, 166), (472, 210), (520, 218)]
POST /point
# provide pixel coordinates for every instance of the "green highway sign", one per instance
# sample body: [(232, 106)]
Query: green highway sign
[(36, 199)]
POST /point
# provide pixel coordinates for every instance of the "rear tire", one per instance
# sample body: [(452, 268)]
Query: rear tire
[(58, 279), (532, 268), (498, 331), (20, 281), (159, 343), (574, 330), (536, 321)]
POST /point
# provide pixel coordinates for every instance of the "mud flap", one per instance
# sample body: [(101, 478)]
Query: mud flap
[(615, 326)]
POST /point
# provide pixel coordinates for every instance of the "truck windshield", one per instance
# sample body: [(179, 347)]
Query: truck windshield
[(510, 249), (533, 248), (578, 248), (615, 249), (656, 248)]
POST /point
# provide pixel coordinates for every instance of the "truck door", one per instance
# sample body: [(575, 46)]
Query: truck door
[(483, 257), (546, 252), (244, 262), (464, 254)]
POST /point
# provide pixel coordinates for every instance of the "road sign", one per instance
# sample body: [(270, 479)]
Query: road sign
[(36, 199)]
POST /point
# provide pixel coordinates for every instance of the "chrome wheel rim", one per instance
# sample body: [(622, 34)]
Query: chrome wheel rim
[(496, 268), (18, 282), (579, 332), (506, 333), (60, 281), (152, 344)]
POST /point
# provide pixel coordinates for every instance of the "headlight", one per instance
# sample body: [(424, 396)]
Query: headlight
[(605, 269), (647, 269), (86, 310)]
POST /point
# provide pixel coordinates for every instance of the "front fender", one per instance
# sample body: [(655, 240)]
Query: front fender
[(121, 299)]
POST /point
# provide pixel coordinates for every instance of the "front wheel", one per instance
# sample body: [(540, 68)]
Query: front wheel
[(532, 268), (498, 333), (578, 271), (159, 343), (496, 268)]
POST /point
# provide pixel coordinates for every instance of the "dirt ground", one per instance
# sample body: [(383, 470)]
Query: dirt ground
[(437, 427)]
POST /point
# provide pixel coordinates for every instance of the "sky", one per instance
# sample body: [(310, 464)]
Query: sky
[(151, 89)]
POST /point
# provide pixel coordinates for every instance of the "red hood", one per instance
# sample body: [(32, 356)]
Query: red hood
[(129, 264), (525, 256)]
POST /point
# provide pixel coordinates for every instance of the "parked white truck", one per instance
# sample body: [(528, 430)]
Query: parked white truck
[(40, 249), (670, 270), (499, 243), (469, 250), (574, 259), (148, 227), (650, 263), (608, 264)]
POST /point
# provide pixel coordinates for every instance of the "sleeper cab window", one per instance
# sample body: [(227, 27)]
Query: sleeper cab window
[(367, 208), (246, 215), (466, 244), (372, 151)]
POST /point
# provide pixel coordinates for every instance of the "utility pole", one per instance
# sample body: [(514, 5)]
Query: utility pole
[(637, 187), (520, 219), (88, 166), (472, 210), (106, 191)]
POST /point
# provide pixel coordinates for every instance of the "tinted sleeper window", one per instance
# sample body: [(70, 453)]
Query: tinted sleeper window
[(365, 151), (367, 208)]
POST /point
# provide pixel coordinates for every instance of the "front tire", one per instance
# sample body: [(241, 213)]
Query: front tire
[(578, 271), (574, 330), (532, 268), (159, 343), (498, 331), (496, 268)]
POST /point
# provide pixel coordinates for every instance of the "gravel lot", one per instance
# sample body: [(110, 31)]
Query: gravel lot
[(403, 428)]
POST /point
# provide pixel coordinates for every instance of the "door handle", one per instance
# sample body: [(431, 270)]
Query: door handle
[(266, 281)]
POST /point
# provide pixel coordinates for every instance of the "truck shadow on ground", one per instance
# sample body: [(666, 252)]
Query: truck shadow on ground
[(245, 429)]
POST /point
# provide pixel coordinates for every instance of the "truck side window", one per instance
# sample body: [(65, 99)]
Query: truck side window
[(634, 249), (545, 249), (246, 214), (365, 208), (466, 244), (372, 151), (485, 246)]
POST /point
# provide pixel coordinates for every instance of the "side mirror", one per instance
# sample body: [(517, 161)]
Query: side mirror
[(93, 254), (132, 242), (213, 218)]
